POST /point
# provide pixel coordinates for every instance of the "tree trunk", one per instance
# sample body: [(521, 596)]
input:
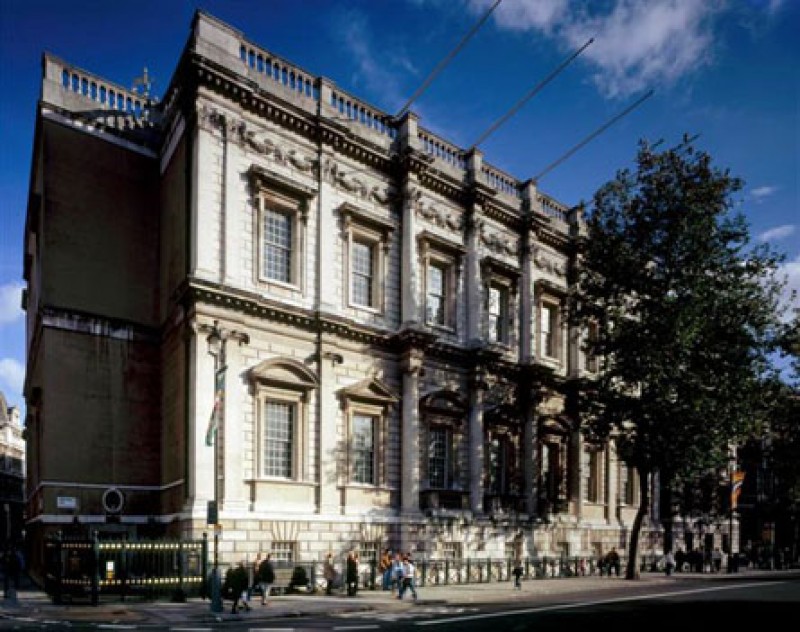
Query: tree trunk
[(632, 569)]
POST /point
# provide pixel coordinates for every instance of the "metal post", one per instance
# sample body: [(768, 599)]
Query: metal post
[(217, 340), (216, 589)]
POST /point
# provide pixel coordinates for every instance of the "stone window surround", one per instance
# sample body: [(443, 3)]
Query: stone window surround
[(547, 295), (450, 415), (369, 398), (437, 251), (595, 475), (495, 273), (360, 225), (286, 196), (285, 381)]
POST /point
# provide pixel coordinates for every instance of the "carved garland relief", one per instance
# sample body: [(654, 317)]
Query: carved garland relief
[(550, 265), (498, 244), (211, 119)]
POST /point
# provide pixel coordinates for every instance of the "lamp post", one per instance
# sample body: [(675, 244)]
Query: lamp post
[(732, 501), (217, 340)]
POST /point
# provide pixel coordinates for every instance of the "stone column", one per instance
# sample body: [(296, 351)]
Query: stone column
[(412, 366), (476, 444), (472, 272)]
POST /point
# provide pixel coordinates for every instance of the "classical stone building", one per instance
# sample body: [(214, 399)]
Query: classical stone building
[(397, 367), (12, 475)]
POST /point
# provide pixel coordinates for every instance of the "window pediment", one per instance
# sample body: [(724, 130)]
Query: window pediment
[(283, 373), (370, 391), (429, 240), (444, 403), (266, 178), (491, 266), (352, 213)]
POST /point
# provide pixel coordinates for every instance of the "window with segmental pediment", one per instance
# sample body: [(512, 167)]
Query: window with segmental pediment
[(282, 389)]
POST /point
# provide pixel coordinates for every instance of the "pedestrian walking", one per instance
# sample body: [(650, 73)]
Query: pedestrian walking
[(397, 572), (408, 578), (266, 578), (518, 570), (235, 585), (329, 574), (612, 562), (352, 574), (385, 568), (669, 563)]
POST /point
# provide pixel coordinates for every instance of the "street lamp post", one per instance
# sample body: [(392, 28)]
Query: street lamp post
[(733, 492), (217, 340)]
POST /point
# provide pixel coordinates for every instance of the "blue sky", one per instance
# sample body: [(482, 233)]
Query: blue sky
[(728, 70)]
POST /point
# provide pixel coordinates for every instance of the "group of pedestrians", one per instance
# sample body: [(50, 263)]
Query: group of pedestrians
[(398, 573), (237, 582)]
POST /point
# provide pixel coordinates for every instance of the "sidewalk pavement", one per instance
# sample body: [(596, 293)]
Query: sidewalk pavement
[(32, 605)]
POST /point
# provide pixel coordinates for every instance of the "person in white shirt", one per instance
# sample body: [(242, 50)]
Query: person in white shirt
[(408, 578)]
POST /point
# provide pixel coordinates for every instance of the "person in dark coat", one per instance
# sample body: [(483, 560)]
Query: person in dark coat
[(265, 578), (235, 585), (352, 574)]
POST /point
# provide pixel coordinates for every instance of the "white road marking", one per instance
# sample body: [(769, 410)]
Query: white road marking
[(586, 604)]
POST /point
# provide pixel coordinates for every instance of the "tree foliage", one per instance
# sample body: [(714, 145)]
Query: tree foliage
[(684, 314)]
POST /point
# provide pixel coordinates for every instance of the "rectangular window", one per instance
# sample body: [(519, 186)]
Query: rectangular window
[(498, 314), (369, 553), (452, 550), (363, 273), (593, 476), (548, 328), (590, 356), (364, 449), (627, 483), (282, 553), (498, 465), (437, 294), (439, 456), (278, 443), (277, 256)]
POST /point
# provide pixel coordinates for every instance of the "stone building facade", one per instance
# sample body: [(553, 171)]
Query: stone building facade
[(12, 475), (398, 368)]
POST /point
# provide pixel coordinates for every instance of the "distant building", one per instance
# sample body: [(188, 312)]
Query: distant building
[(400, 369), (12, 474)]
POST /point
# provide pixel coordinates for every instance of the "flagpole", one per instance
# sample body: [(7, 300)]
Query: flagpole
[(217, 340)]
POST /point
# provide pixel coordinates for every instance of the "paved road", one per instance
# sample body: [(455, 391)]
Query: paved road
[(682, 601)]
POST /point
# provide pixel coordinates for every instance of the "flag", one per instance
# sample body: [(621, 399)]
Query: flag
[(737, 480), (219, 405)]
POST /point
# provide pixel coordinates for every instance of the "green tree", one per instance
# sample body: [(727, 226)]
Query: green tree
[(683, 310)]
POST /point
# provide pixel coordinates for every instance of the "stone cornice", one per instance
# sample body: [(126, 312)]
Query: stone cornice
[(197, 291)]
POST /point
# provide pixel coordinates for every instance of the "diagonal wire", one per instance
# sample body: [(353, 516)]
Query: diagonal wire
[(531, 93), (593, 135), (447, 60)]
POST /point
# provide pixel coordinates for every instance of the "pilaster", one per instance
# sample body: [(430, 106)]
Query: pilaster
[(476, 443), (329, 500)]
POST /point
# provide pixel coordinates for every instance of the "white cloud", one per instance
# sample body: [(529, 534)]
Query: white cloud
[(10, 302), (523, 15), (777, 233), (638, 44), (374, 68), (761, 193), (12, 375)]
